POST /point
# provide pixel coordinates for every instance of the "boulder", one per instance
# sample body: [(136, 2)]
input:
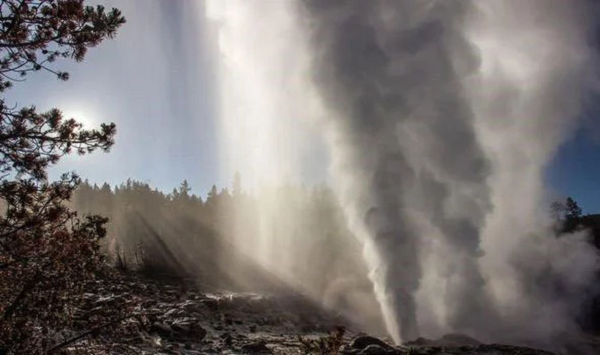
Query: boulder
[(374, 349), (362, 342), (163, 330), (188, 330)]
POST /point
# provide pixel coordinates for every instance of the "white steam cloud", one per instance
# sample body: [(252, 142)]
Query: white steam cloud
[(441, 117), (445, 114), (266, 115)]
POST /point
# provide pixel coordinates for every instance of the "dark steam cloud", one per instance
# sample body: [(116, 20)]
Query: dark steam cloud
[(441, 116), (382, 64), (419, 95)]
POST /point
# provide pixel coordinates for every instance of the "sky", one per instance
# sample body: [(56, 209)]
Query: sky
[(575, 170), (157, 81), (154, 81)]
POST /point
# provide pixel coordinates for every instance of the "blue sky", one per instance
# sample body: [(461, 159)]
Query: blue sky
[(153, 81), (156, 81), (575, 170)]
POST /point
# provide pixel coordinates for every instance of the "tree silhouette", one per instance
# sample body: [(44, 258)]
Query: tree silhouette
[(212, 196), (572, 209), (34, 34), (46, 251), (184, 190)]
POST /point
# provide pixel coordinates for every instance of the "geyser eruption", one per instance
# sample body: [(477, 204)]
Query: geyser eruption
[(269, 133), (263, 113), (441, 117), (388, 70), (538, 69)]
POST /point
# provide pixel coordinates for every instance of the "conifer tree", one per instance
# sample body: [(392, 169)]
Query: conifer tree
[(46, 251)]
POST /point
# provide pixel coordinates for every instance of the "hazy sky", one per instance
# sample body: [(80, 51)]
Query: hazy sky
[(156, 81)]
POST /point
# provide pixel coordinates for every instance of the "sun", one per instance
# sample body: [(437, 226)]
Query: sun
[(81, 114)]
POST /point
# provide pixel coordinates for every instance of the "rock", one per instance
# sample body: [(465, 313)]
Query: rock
[(191, 306), (227, 339), (181, 327), (161, 329), (448, 340), (90, 296), (252, 328), (420, 341), (458, 340), (187, 320), (364, 341), (192, 330), (504, 350), (210, 303), (173, 312), (256, 348), (149, 303), (375, 349), (198, 332)]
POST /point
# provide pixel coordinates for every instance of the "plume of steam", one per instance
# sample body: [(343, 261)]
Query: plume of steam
[(537, 72), (264, 112), (389, 69), (443, 116)]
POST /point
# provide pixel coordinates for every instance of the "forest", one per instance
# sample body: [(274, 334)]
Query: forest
[(180, 235)]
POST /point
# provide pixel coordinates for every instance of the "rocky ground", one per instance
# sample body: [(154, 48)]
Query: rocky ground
[(130, 315)]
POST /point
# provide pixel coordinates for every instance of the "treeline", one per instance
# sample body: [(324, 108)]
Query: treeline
[(231, 239), (569, 217), (47, 254), (220, 241)]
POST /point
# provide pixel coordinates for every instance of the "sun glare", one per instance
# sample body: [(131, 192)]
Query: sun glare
[(81, 114)]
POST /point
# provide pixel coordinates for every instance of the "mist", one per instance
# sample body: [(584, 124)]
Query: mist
[(313, 176), (443, 117), (440, 119), (436, 121)]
